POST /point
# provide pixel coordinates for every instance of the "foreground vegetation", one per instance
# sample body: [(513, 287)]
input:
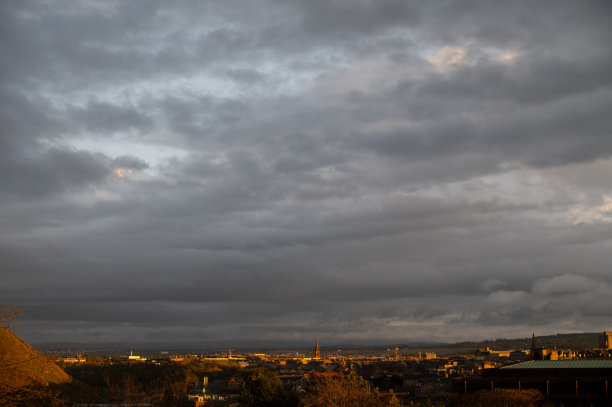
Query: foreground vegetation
[(168, 385)]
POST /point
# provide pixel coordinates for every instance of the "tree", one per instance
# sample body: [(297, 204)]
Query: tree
[(123, 390), (177, 387), (261, 388), (347, 391), (8, 315), (504, 398)]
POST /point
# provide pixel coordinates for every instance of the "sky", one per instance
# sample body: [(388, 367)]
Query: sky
[(352, 171)]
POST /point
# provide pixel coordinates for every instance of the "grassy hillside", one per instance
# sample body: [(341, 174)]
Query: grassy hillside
[(21, 365)]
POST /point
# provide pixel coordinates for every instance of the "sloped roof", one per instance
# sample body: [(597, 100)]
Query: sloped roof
[(564, 364)]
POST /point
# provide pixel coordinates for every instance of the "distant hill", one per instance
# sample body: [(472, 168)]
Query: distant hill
[(559, 341), (22, 366)]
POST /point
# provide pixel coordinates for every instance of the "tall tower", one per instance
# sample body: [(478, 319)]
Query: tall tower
[(317, 354), (532, 353)]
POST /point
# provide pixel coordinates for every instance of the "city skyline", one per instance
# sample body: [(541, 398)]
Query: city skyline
[(351, 171)]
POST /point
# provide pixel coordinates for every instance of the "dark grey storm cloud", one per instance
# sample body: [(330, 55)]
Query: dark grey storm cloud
[(348, 170)]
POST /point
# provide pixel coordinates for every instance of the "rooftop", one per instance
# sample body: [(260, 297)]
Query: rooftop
[(563, 364)]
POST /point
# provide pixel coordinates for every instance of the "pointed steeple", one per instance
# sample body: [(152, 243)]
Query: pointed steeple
[(532, 352), (317, 354)]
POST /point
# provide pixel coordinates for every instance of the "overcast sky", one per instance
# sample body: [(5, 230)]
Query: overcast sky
[(285, 170)]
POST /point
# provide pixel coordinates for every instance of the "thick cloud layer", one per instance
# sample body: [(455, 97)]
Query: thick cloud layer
[(347, 170)]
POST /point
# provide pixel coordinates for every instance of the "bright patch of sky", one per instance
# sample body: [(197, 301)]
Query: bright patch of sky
[(152, 154)]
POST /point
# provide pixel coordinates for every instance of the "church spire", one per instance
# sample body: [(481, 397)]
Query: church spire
[(532, 352), (317, 354)]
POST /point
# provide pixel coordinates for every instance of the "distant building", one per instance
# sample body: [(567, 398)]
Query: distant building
[(136, 357), (77, 359), (538, 353), (317, 353), (520, 355), (605, 340), (486, 353)]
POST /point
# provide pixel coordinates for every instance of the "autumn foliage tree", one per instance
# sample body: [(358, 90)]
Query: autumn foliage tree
[(504, 398), (347, 391), (177, 387)]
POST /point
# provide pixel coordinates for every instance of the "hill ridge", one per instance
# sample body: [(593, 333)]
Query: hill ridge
[(21, 365)]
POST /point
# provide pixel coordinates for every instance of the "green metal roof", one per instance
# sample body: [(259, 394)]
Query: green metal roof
[(564, 364)]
